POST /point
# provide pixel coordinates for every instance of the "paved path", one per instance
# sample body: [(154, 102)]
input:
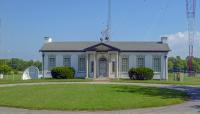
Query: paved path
[(190, 107)]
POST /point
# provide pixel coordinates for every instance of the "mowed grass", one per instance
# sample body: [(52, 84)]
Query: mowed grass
[(12, 79), (88, 97), (188, 80), (43, 80)]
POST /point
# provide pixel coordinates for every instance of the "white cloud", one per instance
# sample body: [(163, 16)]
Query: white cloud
[(178, 43)]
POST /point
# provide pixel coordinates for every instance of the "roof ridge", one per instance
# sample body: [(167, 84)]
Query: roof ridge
[(103, 42), (72, 41), (122, 45)]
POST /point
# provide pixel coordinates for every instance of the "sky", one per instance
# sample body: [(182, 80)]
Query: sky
[(25, 23)]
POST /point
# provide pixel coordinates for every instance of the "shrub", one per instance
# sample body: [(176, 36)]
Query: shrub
[(132, 73), (5, 69), (15, 71), (63, 72), (73, 70), (141, 73)]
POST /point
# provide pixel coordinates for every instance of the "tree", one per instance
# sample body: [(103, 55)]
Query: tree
[(170, 66), (5, 69), (21, 65)]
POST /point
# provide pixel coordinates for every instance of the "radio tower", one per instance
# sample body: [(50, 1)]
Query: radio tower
[(190, 12)]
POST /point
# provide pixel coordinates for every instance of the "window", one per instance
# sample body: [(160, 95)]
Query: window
[(140, 61), (67, 61), (51, 62), (124, 64), (113, 66), (157, 64), (81, 64), (92, 67)]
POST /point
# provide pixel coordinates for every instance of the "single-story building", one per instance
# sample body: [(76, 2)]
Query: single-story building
[(108, 59)]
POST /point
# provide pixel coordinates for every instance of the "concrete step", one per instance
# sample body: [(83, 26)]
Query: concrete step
[(102, 80)]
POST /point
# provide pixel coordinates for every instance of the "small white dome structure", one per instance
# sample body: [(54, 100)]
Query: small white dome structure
[(31, 72)]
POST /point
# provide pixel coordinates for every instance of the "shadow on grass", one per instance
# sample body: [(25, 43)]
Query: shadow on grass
[(197, 107), (193, 92), (150, 91)]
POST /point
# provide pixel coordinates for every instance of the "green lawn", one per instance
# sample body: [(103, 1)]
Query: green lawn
[(88, 97), (9, 79), (187, 81), (43, 80)]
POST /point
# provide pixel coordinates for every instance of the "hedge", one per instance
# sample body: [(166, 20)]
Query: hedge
[(63, 72), (141, 73)]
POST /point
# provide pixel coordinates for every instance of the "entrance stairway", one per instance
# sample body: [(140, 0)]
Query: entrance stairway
[(102, 79)]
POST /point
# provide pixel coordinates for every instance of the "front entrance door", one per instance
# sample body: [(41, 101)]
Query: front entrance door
[(102, 67)]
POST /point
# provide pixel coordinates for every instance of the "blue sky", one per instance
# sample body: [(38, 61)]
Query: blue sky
[(24, 23)]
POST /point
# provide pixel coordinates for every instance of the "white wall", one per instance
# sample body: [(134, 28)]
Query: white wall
[(132, 62), (59, 61), (148, 62)]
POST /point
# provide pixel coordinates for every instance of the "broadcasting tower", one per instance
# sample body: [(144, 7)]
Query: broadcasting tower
[(190, 12)]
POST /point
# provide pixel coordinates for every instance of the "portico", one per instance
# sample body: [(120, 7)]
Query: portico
[(102, 61)]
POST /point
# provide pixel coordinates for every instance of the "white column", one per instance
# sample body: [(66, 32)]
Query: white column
[(109, 65), (94, 59), (166, 67), (43, 55), (117, 67), (87, 63)]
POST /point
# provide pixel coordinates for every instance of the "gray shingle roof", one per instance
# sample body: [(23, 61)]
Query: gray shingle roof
[(122, 46)]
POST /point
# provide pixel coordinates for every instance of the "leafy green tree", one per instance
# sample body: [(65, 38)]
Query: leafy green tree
[(170, 66), (5, 69), (21, 65)]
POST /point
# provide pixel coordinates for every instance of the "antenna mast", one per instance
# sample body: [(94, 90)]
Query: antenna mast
[(109, 20), (190, 12), (106, 34)]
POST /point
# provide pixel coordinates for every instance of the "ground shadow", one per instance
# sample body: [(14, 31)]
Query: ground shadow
[(150, 91), (193, 92), (196, 107)]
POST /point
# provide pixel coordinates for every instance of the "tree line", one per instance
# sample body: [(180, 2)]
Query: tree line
[(16, 65), (178, 64)]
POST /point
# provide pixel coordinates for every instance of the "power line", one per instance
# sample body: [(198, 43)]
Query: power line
[(157, 17)]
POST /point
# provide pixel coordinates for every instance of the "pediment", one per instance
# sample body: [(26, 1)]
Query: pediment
[(101, 47)]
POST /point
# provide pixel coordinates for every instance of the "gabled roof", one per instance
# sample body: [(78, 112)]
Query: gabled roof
[(101, 47), (122, 46)]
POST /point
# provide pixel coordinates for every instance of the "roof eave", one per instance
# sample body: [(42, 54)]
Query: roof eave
[(116, 50)]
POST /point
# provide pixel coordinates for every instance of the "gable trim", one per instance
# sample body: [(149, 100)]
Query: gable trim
[(91, 48)]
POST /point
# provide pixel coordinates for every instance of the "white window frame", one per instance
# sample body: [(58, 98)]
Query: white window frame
[(51, 64), (81, 63), (156, 64), (67, 60), (140, 61), (124, 64)]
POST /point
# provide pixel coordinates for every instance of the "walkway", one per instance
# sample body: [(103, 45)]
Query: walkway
[(190, 107)]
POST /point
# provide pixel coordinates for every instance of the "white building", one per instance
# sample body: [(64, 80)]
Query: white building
[(106, 59)]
